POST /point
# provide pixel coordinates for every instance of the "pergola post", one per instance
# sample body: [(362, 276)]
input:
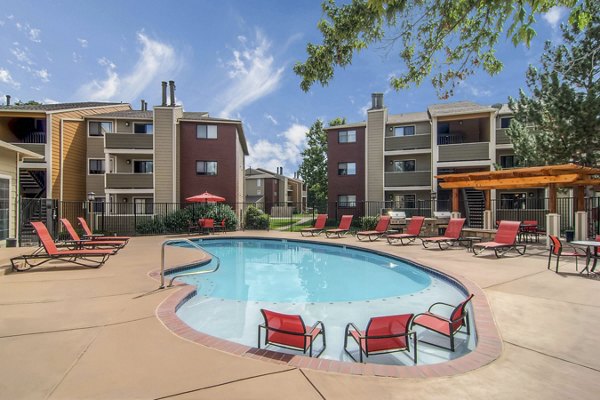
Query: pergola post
[(487, 212), (581, 220), (455, 204), (552, 219)]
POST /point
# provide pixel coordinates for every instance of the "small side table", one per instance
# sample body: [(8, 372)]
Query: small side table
[(468, 241)]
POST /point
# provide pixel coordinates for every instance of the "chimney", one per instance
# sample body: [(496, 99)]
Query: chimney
[(376, 101), (8, 99), (172, 90), (164, 93), (280, 170), (145, 105), (142, 105)]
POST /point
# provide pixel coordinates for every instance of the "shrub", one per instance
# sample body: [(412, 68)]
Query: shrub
[(255, 219), (179, 221), (150, 226), (368, 223)]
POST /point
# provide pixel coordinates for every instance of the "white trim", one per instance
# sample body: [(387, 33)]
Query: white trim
[(504, 146), (11, 193), (129, 191), (478, 163), (49, 155), (133, 160), (394, 126), (406, 152), (134, 123), (407, 188), (88, 166), (83, 108), (129, 151)]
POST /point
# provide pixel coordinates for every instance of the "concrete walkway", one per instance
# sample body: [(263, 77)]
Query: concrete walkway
[(92, 333)]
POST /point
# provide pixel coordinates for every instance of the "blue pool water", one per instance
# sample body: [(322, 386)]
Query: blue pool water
[(333, 284)]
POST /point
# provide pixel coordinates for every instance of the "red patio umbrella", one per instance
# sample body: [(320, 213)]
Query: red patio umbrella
[(205, 198)]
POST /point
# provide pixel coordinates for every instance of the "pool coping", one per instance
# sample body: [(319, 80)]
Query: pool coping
[(488, 345)]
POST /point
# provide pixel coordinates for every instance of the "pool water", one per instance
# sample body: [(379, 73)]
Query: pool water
[(333, 284)]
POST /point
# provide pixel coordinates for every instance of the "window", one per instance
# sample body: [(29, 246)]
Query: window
[(258, 182), (404, 165), (347, 200), (97, 128), (206, 167), (96, 166), (505, 122), (258, 192), (147, 129), (405, 201), (443, 128), (515, 201), (509, 161), (347, 168), (143, 205), (142, 167), (404, 130), (4, 208), (206, 132), (347, 136)]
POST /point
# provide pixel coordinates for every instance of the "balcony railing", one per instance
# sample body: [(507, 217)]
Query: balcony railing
[(34, 137), (129, 181), (417, 178), (393, 143), (464, 152), (502, 137), (38, 148), (128, 141)]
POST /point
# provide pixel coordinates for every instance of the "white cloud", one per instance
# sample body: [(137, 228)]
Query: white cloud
[(286, 153), (5, 77), (49, 101), (253, 75), (22, 54), (155, 58), (43, 74), (473, 90), (82, 42), (2, 22), (554, 15), (363, 110), (271, 118), (76, 57), (34, 34)]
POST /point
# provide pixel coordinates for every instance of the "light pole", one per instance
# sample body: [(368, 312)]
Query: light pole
[(433, 202), (91, 196)]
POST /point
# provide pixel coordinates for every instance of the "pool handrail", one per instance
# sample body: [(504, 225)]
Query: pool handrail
[(196, 246)]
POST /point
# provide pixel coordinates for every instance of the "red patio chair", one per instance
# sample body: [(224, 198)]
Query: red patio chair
[(289, 331), (318, 228), (504, 241), (446, 326), (380, 229), (387, 334), (557, 249), (451, 234), (342, 229), (413, 230), (97, 236), (208, 225), (529, 229), (93, 258), (221, 226), (79, 243)]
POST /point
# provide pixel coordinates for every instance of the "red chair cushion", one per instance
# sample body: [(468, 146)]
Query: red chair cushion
[(434, 323)]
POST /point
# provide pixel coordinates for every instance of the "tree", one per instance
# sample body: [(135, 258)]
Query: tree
[(454, 38), (559, 121), (314, 161)]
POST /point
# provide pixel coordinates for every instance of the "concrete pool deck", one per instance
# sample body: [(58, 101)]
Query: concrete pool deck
[(93, 333)]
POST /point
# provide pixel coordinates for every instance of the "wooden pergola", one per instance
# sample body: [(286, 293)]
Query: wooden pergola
[(551, 176)]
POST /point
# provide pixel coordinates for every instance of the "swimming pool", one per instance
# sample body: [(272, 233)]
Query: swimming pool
[(330, 283)]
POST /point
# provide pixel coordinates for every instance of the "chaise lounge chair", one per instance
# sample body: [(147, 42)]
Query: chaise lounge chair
[(318, 228), (413, 230), (289, 331), (451, 234), (78, 243), (383, 335), (342, 229), (96, 236), (380, 229), (504, 241), (446, 326), (93, 258)]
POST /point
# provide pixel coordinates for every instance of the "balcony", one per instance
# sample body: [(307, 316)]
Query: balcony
[(399, 179), (38, 148), (502, 137), (128, 141), (129, 181), (464, 152), (393, 143)]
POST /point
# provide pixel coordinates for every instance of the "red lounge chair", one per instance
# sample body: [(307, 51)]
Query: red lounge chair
[(84, 257), (342, 229), (380, 229), (451, 235), (289, 331), (318, 228), (95, 236), (556, 248), (447, 326), (78, 243), (383, 335), (413, 230), (504, 241)]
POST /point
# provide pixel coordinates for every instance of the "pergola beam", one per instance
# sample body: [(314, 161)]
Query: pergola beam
[(506, 183)]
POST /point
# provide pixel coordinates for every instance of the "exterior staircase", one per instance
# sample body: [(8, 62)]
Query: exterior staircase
[(474, 202), (33, 183), (33, 210)]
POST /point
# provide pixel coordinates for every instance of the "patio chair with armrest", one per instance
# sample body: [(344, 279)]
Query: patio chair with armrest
[(221, 226), (557, 249), (92, 258), (79, 243), (96, 236), (387, 334), (318, 228), (413, 231), (447, 326), (382, 227), (342, 229), (451, 235), (288, 331), (208, 225), (504, 241)]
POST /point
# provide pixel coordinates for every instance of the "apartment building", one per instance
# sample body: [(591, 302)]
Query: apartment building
[(163, 155), (394, 158), (266, 189)]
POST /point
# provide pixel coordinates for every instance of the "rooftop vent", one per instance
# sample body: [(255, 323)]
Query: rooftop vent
[(376, 101)]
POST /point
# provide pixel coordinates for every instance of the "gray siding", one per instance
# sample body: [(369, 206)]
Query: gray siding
[(422, 161), (464, 152), (397, 179), (421, 128), (502, 137), (95, 147), (95, 183), (128, 141), (374, 149), (164, 159), (129, 181), (38, 148), (408, 142)]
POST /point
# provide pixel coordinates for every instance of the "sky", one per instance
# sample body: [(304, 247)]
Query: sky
[(232, 59)]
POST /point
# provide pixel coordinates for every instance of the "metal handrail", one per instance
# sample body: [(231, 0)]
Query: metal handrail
[(196, 246)]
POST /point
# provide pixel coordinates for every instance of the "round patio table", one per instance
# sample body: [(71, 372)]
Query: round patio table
[(589, 244)]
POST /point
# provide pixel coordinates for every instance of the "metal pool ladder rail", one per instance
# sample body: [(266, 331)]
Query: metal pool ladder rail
[(196, 246)]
